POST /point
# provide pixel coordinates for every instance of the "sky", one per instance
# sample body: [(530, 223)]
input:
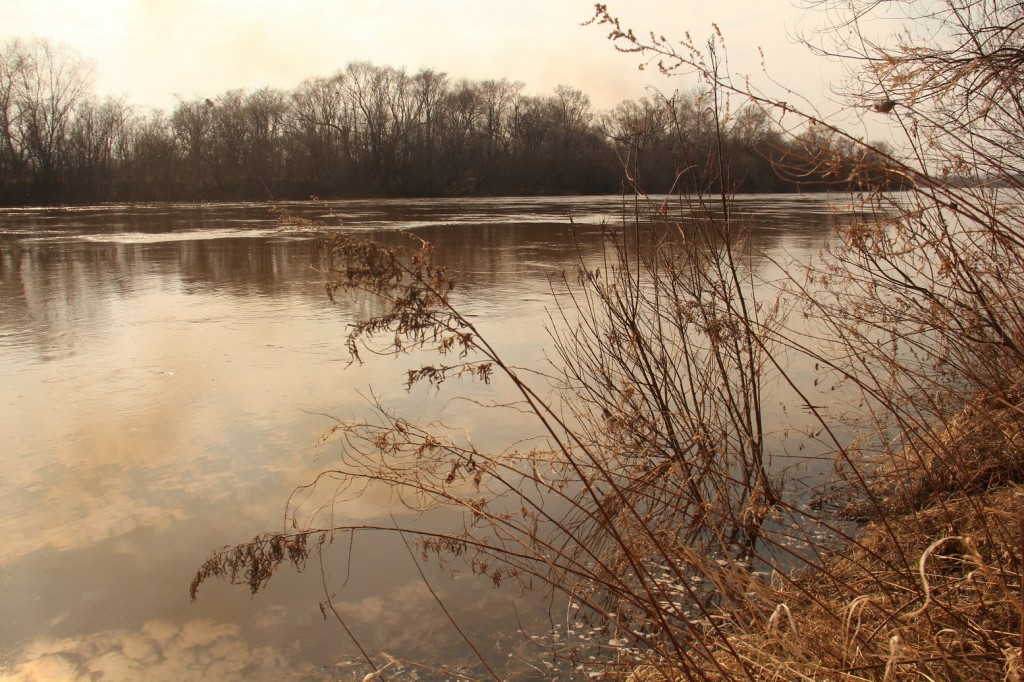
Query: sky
[(152, 51)]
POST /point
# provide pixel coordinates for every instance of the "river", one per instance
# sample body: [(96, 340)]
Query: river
[(166, 372)]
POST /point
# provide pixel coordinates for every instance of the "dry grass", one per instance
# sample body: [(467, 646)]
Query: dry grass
[(932, 592), (649, 497), (979, 449), (693, 557)]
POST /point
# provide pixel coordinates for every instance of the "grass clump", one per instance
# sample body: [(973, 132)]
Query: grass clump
[(929, 588)]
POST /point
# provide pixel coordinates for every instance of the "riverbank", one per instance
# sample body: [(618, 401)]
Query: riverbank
[(929, 587)]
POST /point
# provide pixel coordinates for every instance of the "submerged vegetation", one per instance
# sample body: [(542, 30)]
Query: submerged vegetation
[(656, 499)]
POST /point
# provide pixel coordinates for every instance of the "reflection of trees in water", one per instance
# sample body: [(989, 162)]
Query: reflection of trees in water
[(54, 293), (57, 292), (245, 266)]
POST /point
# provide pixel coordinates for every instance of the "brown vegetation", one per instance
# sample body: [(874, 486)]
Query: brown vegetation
[(651, 496), (366, 130)]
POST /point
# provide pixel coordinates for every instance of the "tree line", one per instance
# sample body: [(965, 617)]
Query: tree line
[(366, 130)]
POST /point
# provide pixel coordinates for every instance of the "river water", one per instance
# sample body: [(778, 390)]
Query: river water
[(166, 372)]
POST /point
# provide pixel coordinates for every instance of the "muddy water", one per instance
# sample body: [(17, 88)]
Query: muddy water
[(165, 374)]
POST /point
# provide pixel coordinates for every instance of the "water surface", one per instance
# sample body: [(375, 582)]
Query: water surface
[(165, 372)]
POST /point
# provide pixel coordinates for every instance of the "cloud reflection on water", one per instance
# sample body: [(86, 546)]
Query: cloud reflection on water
[(158, 651), (161, 396)]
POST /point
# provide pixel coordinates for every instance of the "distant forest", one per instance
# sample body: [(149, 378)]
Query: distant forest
[(365, 131)]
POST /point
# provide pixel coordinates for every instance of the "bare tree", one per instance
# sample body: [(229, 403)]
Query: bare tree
[(13, 62), (48, 84), (192, 124), (98, 145), (323, 125)]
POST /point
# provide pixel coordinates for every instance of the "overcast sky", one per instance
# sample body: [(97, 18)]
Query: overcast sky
[(151, 50)]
